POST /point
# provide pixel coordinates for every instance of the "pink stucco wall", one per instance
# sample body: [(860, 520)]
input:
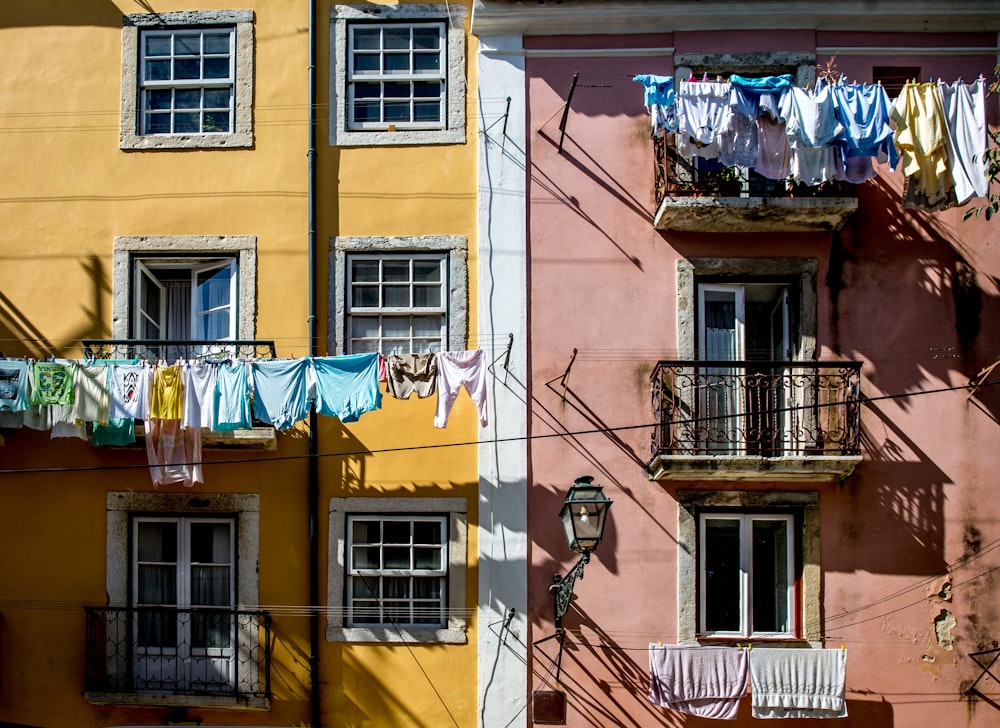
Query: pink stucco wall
[(602, 281)]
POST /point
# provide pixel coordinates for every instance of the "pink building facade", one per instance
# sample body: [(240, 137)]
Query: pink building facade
[(771, 381)]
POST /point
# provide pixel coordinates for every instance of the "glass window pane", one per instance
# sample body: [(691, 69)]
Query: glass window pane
[(426, 63), (212, 326), (366, 38), (396, 270), (426, 38), (366, 63), (364, 327), (722, 575), (364, 297), (217, 98), (396, 38), (210, 586), (364, 270), (426, 271), (365, 587), (396, 587), (397, 346), (187, 68), (396, 90), (157, 628), (427, 532), (157, 584), (187, 123), (214, 288), (427, 587), (365, 531), (396, 112), (157, 71), (157, 541), (396, 62), (396, 296), (427, 112), (366, 613), (396, 532), (427, 296), (428, 326), (369, 111), (364, 347), (396, 327), (217, 43), (216, 68), (157, 45), (210, 543), (158, 99), (366, 557), (216, 121), (396, 557), (770, 576), (187, 99), (187, 44), (427, 91), (426, 558), (157, 124)]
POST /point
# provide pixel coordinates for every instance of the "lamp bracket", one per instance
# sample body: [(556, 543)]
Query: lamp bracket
[(562, 588)]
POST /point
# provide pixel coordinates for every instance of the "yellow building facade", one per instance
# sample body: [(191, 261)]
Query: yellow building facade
[(289, 160)]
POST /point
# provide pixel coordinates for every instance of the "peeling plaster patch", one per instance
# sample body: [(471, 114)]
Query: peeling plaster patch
[(944, 623), (940, 589), (927, 658), (945, 592)]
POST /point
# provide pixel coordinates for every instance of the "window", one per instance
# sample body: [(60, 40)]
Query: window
[(183, 594), (175, 632), (399, 295), (187, 80), (184, 288), (893, 78), (397, 570), (397, 303), (398, 75), (748, 565), (747, 575)]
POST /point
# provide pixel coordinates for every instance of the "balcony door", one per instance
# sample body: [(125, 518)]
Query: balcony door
[(183, 598), (742, 409), (179, 300)]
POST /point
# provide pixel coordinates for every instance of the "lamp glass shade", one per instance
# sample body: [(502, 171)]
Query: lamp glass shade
[(584, 515)]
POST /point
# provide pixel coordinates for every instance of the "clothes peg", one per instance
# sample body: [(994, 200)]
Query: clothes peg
[(704, 77), (841, 648)]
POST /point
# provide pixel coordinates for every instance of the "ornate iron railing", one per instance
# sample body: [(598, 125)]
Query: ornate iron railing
[(197, 651), (758, 408), (159, 349), (679, 176)]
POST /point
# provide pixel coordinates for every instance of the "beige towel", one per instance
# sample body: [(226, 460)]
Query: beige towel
[(798, 683)]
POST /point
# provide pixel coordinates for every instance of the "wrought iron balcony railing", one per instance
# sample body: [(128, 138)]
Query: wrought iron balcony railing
[(160, 349), (196, 651), (679, 176), (768, 409)]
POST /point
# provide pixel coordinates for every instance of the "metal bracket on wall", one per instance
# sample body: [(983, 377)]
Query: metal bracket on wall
[(986, 659)]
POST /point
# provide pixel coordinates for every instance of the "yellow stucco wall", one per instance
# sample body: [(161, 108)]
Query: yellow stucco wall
[(66, 193)]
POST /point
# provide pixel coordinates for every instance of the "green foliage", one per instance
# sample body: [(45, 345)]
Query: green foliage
[(992, 206)]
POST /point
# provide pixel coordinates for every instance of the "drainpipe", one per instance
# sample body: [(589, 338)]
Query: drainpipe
[(314, 696)]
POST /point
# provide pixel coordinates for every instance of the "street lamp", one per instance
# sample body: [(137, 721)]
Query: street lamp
[(584, 514)]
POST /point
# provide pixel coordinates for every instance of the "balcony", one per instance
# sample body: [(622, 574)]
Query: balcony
[(203, 656), (167, 350), (701, 196), (756, 420)]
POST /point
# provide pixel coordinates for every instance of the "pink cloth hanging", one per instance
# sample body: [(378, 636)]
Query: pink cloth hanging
[(174, 453)]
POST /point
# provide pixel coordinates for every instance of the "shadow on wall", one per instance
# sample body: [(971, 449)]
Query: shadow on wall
[(21, 337)]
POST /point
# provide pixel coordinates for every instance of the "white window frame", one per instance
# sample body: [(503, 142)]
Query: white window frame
[(343, 130), (747, 581), (386, 79), (807, 613), (380, 312), (455, 627), (179, 250), (145, 275), (137, 28), (452, 248), (172, 85), (376, 576), (121, 506)]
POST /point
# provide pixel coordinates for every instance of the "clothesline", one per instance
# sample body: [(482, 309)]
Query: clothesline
[(178, 401), (936, 132)]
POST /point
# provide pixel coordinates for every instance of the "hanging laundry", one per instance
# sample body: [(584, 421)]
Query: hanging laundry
[(738, 143), (704, 681), (702, 114), (918, 119), (282, 391), (13, 385), (37, 416), (130, 387), (347, 386), (51, 383), (63, 422), (119, 431), (660, 102), (798, 683), (964, 106), (757, 96), (199, 394), (774, 156), (232, 398), (863, 111), (92, 401), (411, 373), (811, 125), (174, 453), (166, 400), (457, 369)]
